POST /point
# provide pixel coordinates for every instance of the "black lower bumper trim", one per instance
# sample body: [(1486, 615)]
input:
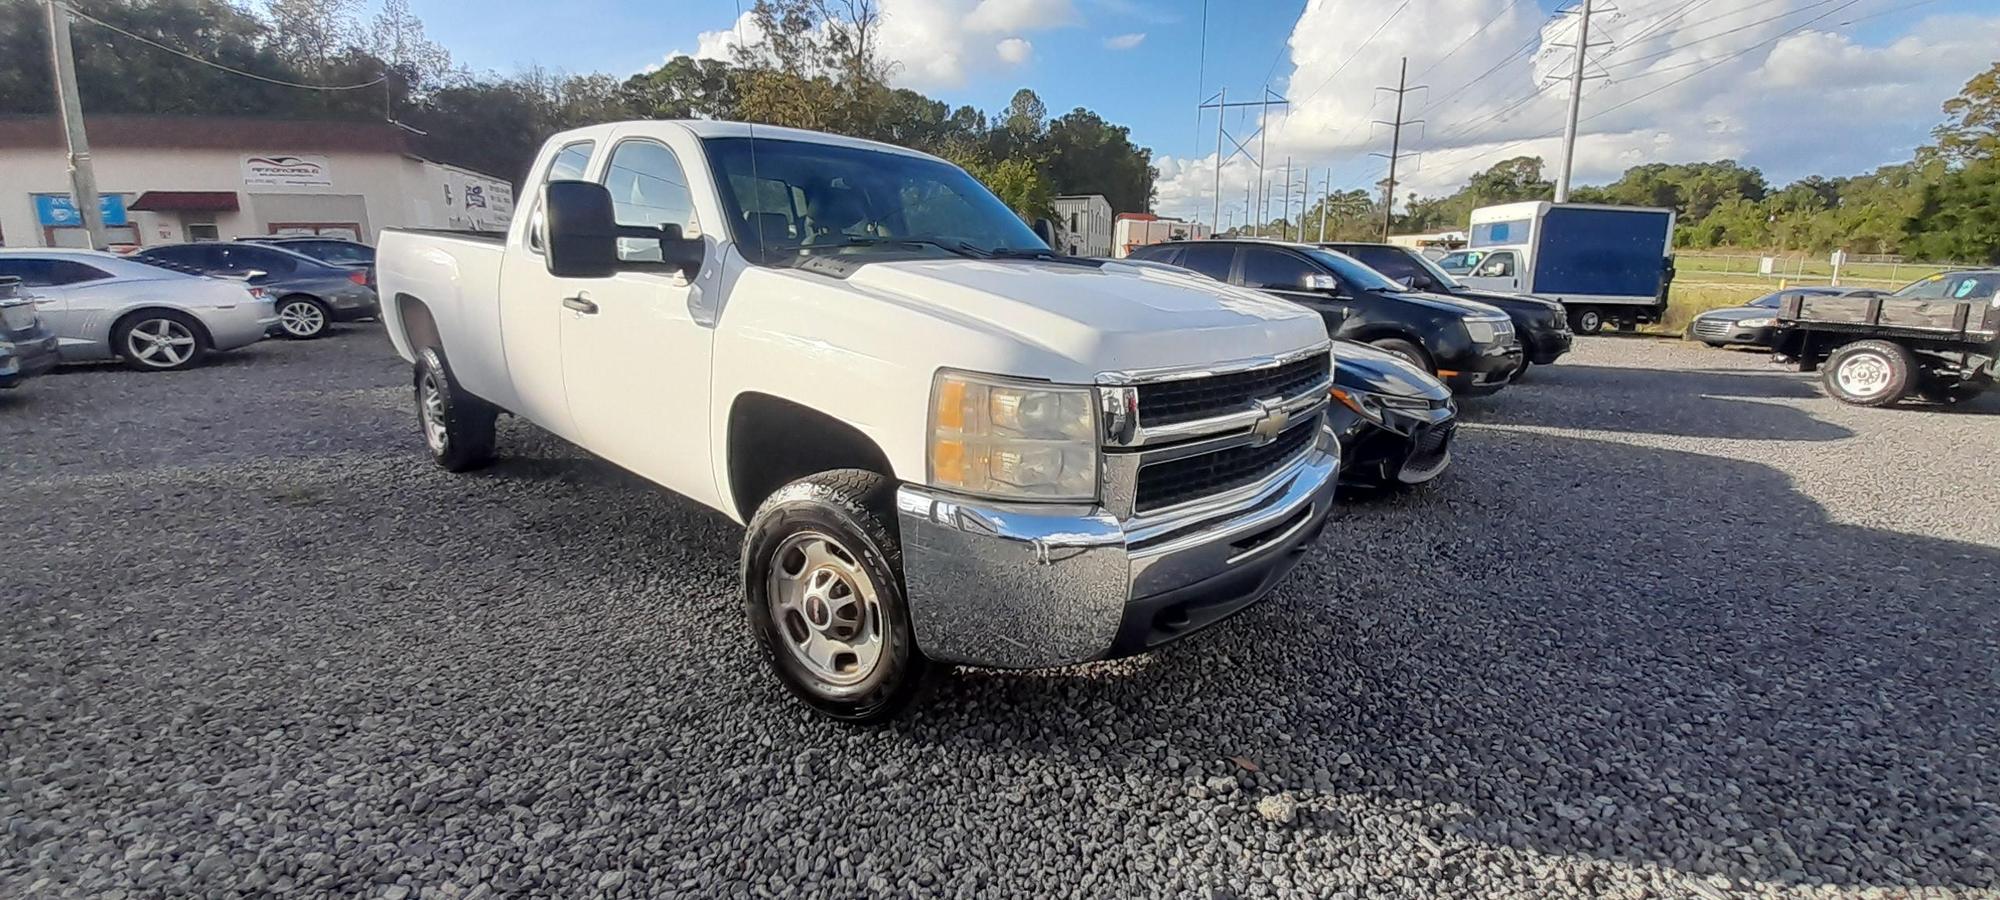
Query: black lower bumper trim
[(1152, 622)]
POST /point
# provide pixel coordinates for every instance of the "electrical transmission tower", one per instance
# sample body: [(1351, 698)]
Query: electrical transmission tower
[(1395, 153), (1220, 103)]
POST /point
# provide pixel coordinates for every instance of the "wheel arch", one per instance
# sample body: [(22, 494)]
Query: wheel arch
[(773, 441), (125, 317), (417, 324)]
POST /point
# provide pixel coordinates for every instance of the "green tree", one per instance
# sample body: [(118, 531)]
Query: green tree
[(1959, 220), (1971, 130), (1086, 155)]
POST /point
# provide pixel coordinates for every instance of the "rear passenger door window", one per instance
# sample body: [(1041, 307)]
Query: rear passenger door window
[(1212, 260), (569, 165)]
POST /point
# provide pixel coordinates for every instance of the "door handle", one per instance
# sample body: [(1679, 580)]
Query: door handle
[(581, 303)]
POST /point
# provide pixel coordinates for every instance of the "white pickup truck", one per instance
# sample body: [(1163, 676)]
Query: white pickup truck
[(949, 444)]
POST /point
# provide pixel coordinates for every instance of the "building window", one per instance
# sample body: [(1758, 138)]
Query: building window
[(203, 231)]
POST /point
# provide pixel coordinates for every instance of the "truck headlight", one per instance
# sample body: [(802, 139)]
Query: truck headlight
[(1013, 439), (1760, 322), (1484, 330)]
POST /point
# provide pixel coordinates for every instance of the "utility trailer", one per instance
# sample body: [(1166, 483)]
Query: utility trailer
[(1937, 339)]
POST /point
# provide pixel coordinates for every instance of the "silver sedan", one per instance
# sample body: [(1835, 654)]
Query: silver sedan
[(154, 318)]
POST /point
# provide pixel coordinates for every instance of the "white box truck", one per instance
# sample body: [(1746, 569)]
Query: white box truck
[(1602, 263)]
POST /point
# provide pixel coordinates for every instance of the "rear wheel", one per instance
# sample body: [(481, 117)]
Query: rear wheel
[(822, 580), (302, 317), (160, 341), (458, 428), (1869, 373), (1406, 350), (1586, 321)]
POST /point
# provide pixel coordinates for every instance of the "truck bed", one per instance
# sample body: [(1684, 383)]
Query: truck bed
[(1971, 320)]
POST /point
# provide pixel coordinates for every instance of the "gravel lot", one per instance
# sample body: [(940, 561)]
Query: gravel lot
[(1674, 625)]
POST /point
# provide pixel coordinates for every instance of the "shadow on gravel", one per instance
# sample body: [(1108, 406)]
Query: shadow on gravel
[(1708, 404), (1797, 702)]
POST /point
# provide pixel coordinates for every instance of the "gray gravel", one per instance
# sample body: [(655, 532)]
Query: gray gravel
[(1674, 625)]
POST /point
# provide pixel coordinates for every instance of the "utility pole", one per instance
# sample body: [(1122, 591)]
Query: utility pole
[(1285, 217), (1220, 103), (1575, 104), (1395, 141), (82, 178), (1305, 184), (1325, 200)]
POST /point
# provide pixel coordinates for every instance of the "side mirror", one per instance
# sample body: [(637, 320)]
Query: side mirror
[(683, 253), (582, 238), (1324, 284), (1046, 230)]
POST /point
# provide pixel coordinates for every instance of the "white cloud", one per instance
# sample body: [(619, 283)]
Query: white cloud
[(933, 44), (1014, 51), (1125, 41), (1795, 103), (1020, 15)]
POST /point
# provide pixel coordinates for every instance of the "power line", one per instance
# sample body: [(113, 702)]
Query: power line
[(216, 65), (1357, 52), (1715, 64), (1721, 34), (1469, 39)]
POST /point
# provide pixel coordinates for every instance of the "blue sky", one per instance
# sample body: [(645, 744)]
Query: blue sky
[(1834, 97)]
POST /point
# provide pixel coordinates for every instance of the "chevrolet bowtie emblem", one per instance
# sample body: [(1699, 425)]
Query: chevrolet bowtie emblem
[(1271, 421)]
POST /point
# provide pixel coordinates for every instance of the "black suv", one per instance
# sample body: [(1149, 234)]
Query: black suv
[(1540, 324), (1469, 345)]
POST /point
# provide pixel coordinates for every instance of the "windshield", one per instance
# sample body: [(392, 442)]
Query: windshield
[(1461, 262), (791, 200), (1443, 278), (1953, 286)]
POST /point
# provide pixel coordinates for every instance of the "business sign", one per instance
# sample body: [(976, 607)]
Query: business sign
[(280, 170), (59, 211)]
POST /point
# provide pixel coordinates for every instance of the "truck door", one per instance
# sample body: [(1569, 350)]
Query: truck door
[(1499, 271), (635, 363)]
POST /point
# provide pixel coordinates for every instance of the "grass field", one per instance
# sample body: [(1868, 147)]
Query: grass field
[(1794, 268)]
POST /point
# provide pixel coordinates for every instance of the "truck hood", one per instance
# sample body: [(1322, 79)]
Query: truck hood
[(1108, 317)]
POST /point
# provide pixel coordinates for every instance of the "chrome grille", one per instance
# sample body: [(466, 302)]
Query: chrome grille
[(1194, 399), (1711, 327), (1173, 482)]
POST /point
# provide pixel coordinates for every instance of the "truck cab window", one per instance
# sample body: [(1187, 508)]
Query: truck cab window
[(570, 161), (648, 189), (1497, 265)]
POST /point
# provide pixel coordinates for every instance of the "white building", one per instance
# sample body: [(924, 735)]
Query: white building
[(1135, 230), (1083, 225), (165, 180)]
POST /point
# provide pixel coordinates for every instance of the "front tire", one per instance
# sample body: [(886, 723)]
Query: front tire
[(303, 318), (458, 428), (1869, 373), (160, 341), (822, 580), (1586, 321)]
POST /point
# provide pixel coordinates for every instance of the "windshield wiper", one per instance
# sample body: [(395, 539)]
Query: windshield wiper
[(956, 248)]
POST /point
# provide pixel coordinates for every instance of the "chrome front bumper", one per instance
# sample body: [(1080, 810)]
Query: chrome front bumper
[(1031, 585)]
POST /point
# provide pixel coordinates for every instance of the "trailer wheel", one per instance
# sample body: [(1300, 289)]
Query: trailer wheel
[(1586, 321), (1869, 373)]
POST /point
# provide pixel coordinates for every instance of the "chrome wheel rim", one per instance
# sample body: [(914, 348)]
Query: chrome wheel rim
[(1588, 321), (301, 319), (1863, 374), (824, 610), (430, 408), (160, 343)]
